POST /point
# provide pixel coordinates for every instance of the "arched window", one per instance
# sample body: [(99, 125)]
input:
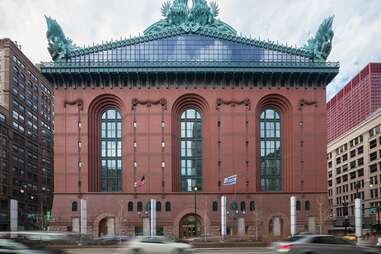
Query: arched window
[(252, 205), (148, 206), (307, 205), (158, 206), (270, 150), (190, 150), (130, 206), (234, 206), (243, 206), (215, 206), (140, 206), (111, 150), (74, 206), (297, 205), (167, 206)]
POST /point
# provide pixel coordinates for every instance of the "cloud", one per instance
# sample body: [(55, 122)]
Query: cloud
[(357, 24)]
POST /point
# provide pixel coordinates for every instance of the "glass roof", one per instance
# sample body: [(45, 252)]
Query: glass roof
[(187, 48)]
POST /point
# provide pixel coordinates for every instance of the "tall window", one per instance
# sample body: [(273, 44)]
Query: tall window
[(111, 150), (190, 150), (270, 150)]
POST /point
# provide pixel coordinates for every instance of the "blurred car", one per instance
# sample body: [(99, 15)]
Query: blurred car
[(378, 244), (49, 237), (316, 244), (156, 245), (350, 237), (11, 246), (111, 239)]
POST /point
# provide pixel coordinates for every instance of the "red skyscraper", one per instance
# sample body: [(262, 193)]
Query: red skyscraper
[(357, 100)]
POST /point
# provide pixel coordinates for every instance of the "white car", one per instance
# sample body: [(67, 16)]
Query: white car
[(156, 244), (9, 246)]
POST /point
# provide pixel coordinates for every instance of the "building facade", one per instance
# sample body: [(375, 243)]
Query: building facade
[(355, 102), (354, 166), (353, 151), (26, 136), (170, 114), (4, 170)]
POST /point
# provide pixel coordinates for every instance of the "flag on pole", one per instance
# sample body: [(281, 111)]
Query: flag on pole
[(140, 182), (231, 180)]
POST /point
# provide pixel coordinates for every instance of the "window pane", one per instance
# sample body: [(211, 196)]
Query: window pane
[(269, 114), (111, 150), (119, 130), (103, 148), (111, 114)]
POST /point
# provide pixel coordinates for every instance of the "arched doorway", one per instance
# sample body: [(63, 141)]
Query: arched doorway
[(102, 227), (106, 227), (276, 226), (190, 226)]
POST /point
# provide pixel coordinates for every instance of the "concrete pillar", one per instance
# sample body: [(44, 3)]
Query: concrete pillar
[(293, 215), (358, 217), (153, 217), (83, 216), (14, 214), (223, 216)]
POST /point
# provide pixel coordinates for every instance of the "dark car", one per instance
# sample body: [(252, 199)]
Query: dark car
[(316, 244)]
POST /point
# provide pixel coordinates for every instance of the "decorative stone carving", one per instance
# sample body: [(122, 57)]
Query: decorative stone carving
[(321, 44), (178, 15), (59, 45)]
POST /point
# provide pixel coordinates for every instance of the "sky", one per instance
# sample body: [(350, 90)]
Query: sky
[(357, 25)]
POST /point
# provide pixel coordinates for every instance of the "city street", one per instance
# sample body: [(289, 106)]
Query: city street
[(259, 250)]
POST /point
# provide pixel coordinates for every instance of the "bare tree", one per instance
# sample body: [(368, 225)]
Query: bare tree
[(324, 212)]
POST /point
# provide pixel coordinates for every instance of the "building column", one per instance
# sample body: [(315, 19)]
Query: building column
[(14, 214)]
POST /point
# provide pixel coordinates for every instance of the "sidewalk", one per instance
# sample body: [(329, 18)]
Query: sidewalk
[(370, 242)]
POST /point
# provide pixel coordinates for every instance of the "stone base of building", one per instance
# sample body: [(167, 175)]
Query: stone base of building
[(268, 218)]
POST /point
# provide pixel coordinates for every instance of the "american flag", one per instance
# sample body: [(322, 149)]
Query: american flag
[(140, 182)]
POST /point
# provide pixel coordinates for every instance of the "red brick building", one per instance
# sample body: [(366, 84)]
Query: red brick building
[(355, 102), (186, 106)]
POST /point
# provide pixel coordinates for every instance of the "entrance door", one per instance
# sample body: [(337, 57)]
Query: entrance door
[(190, 226), (188, 231), (102, 227)]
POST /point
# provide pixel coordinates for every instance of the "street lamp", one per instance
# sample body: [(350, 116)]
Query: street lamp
[(195, 209)]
